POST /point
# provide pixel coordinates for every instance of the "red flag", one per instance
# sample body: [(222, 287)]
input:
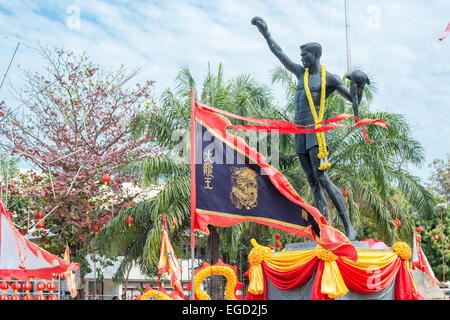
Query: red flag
[(168, 262), (447, 30), (69, 275), (249, 189), (420, 261)]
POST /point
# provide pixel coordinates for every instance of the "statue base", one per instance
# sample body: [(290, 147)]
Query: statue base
[(304, 292), (311, 245)]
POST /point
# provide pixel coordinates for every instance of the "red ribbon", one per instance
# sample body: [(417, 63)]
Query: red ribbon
[(286, 127)]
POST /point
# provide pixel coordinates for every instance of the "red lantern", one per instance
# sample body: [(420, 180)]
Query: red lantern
[(40, 286), (96, 229), (174, 222), (27, 286), (130, 221), (51, 286), (41, 297), (15, 297), (277, 236), (53, 297), (4, 297), (436, 238), (345, 194), (4, 285), (16, 286), (278, 244), (419, 229), (28, 297), (40, 225), (106, 179), (397, 223), (40, 215)]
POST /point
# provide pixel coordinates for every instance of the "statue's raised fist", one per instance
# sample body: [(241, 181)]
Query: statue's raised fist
[(260, 23)]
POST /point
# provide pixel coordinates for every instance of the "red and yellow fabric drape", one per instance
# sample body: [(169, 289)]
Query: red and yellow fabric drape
[(334, 276)]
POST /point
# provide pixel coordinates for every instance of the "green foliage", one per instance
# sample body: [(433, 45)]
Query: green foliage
[(381, 189)]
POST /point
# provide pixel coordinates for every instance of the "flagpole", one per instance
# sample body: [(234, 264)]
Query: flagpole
[(193, 191)]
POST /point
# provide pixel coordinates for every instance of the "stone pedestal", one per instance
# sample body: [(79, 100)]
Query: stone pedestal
[(310, 245)]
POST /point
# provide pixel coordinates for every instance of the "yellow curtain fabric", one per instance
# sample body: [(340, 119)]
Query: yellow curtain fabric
[(370, 259), (287, 261), (332, 283)]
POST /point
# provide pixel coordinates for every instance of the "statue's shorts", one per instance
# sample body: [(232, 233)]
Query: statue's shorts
[(304, 142)]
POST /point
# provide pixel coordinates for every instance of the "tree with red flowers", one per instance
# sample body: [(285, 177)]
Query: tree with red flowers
[(75, 129)]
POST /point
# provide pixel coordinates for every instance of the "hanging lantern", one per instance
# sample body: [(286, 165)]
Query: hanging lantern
[(51, 286), (41, 297), (4, 286), (4, 297), (40, 286), (40, 215), (129, 221), (419, 229), (28, 297), (436, 238), (96, 229), (53, 297), (40, 225), (16, 286), (27, 286), (278, 244), (106, 179), (277, 236), (397, 223), (174, 222), (345, 194), (15, 297)]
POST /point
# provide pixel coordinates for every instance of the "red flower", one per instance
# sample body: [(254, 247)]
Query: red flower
[(419, 229), (277, 236), (278, 244)]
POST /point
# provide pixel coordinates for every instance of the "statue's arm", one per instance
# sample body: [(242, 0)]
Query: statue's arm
[(337, 84), (275, 48)]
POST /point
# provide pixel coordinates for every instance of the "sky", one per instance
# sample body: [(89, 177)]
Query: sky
[(395, 42)]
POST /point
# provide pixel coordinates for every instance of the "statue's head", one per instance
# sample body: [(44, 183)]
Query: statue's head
[(310, 53)]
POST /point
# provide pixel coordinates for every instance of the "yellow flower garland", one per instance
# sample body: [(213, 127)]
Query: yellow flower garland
[(402, 249), (323, 153)]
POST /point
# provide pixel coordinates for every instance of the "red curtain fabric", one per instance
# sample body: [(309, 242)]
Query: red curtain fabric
[(356, 279), (362, 281), (404, 285), (291, 279)]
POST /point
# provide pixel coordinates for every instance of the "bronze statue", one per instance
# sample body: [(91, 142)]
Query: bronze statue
[(309, 98)]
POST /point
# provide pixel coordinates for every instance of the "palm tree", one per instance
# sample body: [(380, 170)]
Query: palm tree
[(241, 95)]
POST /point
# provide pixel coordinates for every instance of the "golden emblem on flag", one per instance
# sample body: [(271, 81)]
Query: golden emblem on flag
[(244, 188)]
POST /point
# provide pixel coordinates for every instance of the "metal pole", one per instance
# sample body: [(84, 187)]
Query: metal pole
[(442, 242), (95, 279), (193, 191), (7, 177), (9, 65), (347, 37)]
